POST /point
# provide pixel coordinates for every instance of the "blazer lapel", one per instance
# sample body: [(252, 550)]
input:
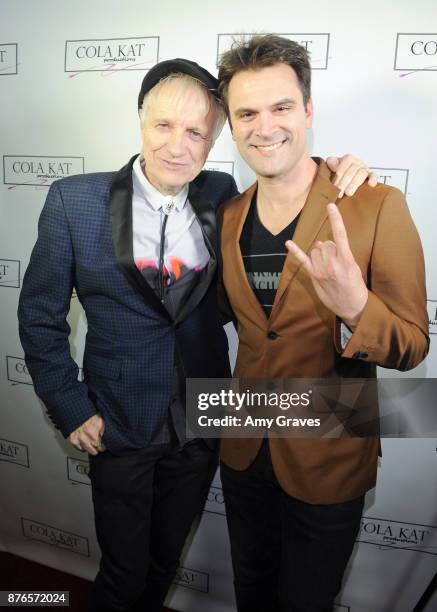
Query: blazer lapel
[(205, 214), (311, 220), (231, 242), (121, 217)]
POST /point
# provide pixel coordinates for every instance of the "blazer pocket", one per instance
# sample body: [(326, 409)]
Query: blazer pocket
[(106, 367)]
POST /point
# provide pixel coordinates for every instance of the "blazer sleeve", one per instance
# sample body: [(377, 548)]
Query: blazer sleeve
[(42, 313), (393, 329)]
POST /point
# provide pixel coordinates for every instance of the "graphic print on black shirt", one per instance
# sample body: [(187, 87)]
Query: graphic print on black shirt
[(264, 256)]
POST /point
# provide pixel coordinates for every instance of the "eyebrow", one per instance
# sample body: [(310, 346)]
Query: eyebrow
[(285, 101), (161, 118), (165, 119), (244, 109)]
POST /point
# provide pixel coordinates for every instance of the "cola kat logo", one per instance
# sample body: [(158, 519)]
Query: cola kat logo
[(39, 170), (432, 315), (14, 452), (111, 54), (398, 534), (416, 52), (215, 503), (192, 579), (317, 46), (17, 371), (220, 166), (54, 536), (10, 273), (78, 470), (8, 58), (396, 177)]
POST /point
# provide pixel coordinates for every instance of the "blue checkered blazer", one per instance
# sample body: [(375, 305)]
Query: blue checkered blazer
[(85, 242)]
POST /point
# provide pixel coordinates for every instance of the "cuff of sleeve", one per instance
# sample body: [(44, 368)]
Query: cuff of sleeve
[(69, 412), (362, 341)]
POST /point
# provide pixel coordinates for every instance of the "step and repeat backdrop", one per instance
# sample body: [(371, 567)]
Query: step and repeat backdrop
[(69, 80)]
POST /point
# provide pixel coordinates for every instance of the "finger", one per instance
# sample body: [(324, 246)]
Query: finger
[(338, 231), (93, 433), (373, 179), (332, 163), (328, 252), (100, 446), (319, 268), (353, 177), (300, 255), (88, 444), (95, 447), (74, 440), (97, 424), (344, 165), (357, 180), (91, 449)]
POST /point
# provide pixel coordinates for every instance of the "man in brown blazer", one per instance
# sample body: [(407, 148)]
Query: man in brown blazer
[(349, 295)]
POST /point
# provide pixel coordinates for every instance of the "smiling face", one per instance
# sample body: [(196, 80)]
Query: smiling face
[(269, 119), (177, 130)]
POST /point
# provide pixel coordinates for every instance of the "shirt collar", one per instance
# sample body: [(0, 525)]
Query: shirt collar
[(154, 197)]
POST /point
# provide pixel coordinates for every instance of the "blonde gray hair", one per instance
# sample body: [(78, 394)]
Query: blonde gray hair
[(186, 82)]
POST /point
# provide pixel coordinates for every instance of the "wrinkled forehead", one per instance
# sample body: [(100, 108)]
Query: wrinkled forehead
[(179, 95)]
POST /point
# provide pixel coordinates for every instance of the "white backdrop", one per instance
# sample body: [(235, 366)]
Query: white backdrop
[(68, 89)]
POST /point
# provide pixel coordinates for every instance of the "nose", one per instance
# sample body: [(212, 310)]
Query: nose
[(175, 144), (265, 125)]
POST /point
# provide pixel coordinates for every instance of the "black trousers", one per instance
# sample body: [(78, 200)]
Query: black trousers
[(144, 506), (287, 555)]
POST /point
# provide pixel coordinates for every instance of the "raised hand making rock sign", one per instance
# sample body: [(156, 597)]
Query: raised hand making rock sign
[(336, 275)]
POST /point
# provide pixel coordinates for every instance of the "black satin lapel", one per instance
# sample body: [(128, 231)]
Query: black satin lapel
[(205, 214), (121, 216)]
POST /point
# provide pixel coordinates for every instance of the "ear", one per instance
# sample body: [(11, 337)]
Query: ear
[(309, 113)]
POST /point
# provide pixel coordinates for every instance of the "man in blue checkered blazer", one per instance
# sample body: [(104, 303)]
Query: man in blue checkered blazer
[(144, 334), (140, 248)]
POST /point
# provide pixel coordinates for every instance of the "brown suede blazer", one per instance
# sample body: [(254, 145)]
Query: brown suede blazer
[(392, 332)]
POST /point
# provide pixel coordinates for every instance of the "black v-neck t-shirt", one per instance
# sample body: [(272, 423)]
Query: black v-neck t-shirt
[(264, 256)]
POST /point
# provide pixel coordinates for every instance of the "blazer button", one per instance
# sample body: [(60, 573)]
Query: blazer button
[(272, 335)]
